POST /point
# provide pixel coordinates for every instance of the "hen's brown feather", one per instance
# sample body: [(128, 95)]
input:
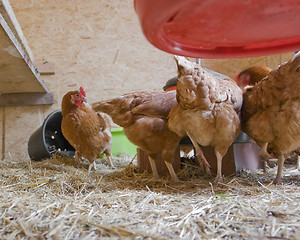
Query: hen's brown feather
[(270, 112), (88, 132), (143, 118), (252, 75), (207, 110)]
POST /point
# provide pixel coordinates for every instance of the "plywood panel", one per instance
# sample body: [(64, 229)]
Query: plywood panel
[(231, 67), (98, 45), (1, 133), (17, 73), (23, 121), (12, 22), (21, 99)]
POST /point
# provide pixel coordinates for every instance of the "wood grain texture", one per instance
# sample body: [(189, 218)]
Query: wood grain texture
[(11, 20), (17, 73), (24, 99), (45, 68), (2, 133), (230, 67)]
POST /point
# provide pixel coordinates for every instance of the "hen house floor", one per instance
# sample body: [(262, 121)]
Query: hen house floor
[(54, 199)]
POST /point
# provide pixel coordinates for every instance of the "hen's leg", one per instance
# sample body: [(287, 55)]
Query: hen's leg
[(219, 177), (110, 162), (153, 167), (200, 156), (264, 155), (168, 155), (90, 167), (77, 158), (298, 163), (280, 162), (108, 157), (172, 172), (92, 164)]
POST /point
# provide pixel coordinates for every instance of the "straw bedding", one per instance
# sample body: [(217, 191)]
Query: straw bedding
[(54, 199)]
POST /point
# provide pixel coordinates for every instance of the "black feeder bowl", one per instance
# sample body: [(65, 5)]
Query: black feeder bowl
[(48, 139)]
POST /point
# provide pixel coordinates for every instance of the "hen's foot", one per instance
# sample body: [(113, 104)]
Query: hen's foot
[(172, 172), (264, 158), (93, 164), (217, 180), (154, 179), (110, 162), (204, 165), (277, 181)]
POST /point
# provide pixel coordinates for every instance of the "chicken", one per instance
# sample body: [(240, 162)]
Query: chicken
[(207, 111), (143, 116), (249, 77), (252, 75), (270, 112), (87, 131)]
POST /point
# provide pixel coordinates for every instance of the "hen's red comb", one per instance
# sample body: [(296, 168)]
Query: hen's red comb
[(82, 91)]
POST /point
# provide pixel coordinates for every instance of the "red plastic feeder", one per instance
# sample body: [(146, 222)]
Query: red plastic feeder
[(221, 29)]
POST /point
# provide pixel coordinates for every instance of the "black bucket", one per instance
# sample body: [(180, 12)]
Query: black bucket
[(48, 139)]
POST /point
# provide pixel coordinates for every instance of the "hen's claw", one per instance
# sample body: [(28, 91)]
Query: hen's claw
[(217, 180)]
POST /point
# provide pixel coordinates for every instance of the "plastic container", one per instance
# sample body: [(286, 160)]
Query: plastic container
[(243, 138), (221, 29), (120, 143), (48, 139)]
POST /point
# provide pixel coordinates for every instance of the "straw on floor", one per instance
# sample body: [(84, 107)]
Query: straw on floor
[(54, 199)]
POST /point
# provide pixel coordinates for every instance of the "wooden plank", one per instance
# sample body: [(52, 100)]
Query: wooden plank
[(17, 73), (21, 122), (45, 68), (23, 99), (2, 133), (11, 20)]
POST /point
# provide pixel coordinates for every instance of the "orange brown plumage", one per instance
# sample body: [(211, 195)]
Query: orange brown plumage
[(143, 116), (88, 132), (207, 111), (270, 112)]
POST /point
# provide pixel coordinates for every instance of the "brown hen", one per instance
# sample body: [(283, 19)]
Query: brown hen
[(87, 131), (207, 111), (270, 112), (252, 75), (143, 116)]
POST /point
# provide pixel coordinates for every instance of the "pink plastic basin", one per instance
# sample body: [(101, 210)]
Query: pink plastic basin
[(221, 28)]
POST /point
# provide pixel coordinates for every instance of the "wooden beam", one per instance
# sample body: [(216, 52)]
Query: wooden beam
[(11, 20), (24, 99), (17, 73)]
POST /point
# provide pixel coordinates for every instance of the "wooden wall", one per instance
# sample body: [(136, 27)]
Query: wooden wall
[(230, 67), (97, 44)]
